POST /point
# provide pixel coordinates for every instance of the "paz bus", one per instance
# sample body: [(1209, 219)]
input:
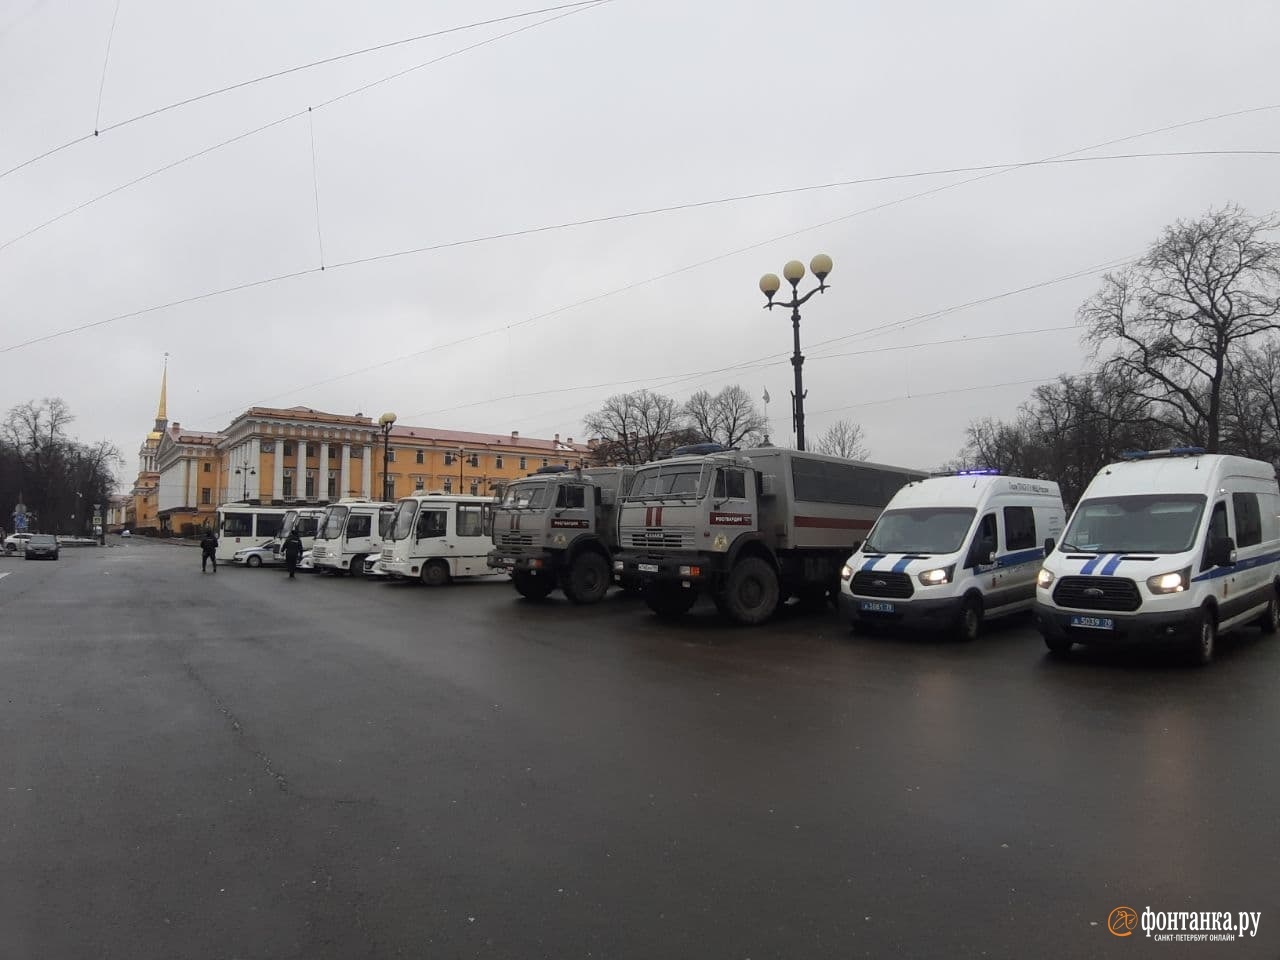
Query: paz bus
[(242, 525)]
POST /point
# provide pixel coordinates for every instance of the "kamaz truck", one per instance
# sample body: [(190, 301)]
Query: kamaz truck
[(751, 528), (558, 528)]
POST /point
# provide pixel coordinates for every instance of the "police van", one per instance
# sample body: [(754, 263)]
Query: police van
[(949, 552), (1173, 546)]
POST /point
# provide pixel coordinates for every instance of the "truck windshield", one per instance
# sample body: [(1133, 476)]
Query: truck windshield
[(1149, 523), (921, 530), (402, 523), (531, 495), (662, 482), (331, 524)]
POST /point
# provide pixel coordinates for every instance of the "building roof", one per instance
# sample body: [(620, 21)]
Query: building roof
[(178, 435), (437, 435), (308, 414)]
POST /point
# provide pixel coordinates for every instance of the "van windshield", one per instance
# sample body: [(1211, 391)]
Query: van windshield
[(661, 482), (920, 530), (1150, 523), (402, 522)]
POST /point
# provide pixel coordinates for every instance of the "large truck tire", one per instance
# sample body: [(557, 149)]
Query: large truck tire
[(669, 600), (588, 578), (751, 591), (531, 587)]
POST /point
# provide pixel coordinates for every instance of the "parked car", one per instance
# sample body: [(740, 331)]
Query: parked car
[(373, 566), (15, 542), (41, 546), (262, 555)]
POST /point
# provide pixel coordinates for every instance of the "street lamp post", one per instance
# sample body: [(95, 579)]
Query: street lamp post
[(461, 458), (769, 285), (245, 471), (386, 421)]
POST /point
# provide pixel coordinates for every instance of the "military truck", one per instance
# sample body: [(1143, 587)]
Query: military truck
[(751, 528), (558, 528)]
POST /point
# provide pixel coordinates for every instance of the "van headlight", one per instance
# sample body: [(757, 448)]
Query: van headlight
[(1174, 582), (935, 578), (846, 572), (1044, 578)]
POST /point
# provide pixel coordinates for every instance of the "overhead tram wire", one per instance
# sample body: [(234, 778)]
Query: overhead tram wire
[(591, 221), (292, 116), (280, 73)]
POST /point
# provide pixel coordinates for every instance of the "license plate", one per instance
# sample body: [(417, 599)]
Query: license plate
[(1094, 623), (509, 561), (875, 606), (647, 567)]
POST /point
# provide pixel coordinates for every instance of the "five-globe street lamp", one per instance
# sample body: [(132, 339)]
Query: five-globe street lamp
[(386, 422), (769, 286), (245, 471)]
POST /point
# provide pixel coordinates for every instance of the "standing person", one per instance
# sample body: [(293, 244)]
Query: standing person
[(209, 551), (292, 552)]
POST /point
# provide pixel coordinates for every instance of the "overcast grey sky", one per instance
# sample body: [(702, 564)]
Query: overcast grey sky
[(627, 106)]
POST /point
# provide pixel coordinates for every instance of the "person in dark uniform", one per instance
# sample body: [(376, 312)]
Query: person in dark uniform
[(209, 551), (292, 552)]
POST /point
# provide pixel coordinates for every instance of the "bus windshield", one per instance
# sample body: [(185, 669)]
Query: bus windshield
[(682, 481), (920, 530), (531, 495), (1147, 523), (402, 522), (331, 524)]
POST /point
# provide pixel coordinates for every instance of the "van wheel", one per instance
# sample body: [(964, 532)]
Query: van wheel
[(435, 573), (751, 591), (1270, 622), (969, 624), (531, 587), (1206, 642), (588, 579), (669, 600)]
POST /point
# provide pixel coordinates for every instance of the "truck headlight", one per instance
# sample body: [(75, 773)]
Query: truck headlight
[(935, 578), (1174, 582), (1044, 578), (846, 572)]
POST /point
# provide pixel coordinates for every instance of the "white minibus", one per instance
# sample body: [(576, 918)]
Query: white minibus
[(436, 537), (349, 531), (243, 525)]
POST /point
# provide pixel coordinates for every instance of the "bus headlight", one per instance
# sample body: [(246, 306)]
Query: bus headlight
[(1174, 582), (935, 578), (1044, 578), (846, 572)]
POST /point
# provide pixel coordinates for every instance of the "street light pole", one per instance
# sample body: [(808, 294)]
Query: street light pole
[(386, 421), (245, 471), (769, 286)]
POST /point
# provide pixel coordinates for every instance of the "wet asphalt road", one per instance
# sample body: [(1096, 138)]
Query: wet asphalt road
[(239, 766)]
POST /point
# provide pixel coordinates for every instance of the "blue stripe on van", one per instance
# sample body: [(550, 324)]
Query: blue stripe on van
[(1249, 564), (1111, 565), (901, 565), (871, 563), (1020, 557), (1088, 567)]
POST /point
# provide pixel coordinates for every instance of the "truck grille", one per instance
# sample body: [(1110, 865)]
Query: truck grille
[(1097, 593), (388, 554), (869, 583), (515, 539), (665, 539)]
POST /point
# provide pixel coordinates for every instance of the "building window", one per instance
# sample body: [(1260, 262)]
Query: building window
[(311, 484), (448, 485), (357, 453), (524, 463), (497, 462), (311, 449), (286, 489), (474, 460), (448, 459), (475, 488), (208, 467), (333, 452), (333, 487), (206, 495), (288, 448), (391, 455), (566, 463), (418, 483), (545, 461), (389, 488), (421, 456)]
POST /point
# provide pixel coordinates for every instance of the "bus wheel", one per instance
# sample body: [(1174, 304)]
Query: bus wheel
[(588, 579), (435, 573), (531, 587), (356, 566), (669, 600), (751, 591)]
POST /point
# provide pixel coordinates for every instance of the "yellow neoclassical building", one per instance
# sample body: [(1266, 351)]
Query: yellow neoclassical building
[(301, 455)]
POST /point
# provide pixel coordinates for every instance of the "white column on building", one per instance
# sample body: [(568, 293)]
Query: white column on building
[(193, 479), (344, 478), (366, 472), (300, 474), (277, 470), (255, 464), (322, 475)]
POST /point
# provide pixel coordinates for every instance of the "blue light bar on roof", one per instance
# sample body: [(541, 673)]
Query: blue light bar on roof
[(1170, 452), (983, 472)]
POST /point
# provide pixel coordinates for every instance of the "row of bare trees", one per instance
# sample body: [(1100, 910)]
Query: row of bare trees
[(1187, 352), (56, 477), (643, 425)]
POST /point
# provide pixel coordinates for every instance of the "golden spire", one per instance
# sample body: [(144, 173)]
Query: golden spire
[(164, 391)]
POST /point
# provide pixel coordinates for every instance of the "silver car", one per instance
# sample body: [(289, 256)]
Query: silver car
[(41, 546), (259, 556)]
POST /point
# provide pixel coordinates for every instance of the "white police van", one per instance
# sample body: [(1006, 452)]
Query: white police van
[(949, 552), (1172, 546)]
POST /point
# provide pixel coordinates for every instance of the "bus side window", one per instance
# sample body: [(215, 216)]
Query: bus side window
[(432, 523)]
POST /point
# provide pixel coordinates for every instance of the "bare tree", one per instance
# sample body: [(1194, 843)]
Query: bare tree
[(844, 438), (730, 417), (634, 427), (1173, 320)]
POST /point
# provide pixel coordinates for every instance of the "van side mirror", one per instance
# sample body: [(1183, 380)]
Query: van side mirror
[(988, 552), (1222, 552), (983, 553), (1048, 545)]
